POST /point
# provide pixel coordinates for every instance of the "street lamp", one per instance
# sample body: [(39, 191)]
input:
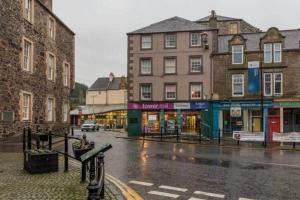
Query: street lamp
[(262, 98)]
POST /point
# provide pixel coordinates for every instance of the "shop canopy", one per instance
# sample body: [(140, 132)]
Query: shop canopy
[(97, 109)]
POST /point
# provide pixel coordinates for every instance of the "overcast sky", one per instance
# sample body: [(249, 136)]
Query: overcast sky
[(101, 25)]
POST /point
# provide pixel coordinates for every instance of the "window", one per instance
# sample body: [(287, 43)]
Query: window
[(26, 103), (146, 92), (170, 91), (196, 90), (146, 66), (268, 53), (196, 64), (170, 65), (51, 28), (268, 84), (277, 84), (27, 55), (66, 74), (65, 112), (51, 67), (28, 10), (237, 54), (277, 52), (237, 85), (170, 41), (50, 109), (233, 28), (146, 41), (195, 39)]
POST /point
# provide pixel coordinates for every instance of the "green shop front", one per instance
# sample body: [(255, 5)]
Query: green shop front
[(166, 117)]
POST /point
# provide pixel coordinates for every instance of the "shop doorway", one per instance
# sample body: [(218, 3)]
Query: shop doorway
[(273, 126), (190, 123)]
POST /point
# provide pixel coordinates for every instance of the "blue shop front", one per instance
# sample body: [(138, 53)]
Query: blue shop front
[(242, 115)]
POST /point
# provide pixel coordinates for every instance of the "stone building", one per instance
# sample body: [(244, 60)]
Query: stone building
[(242, 64), (36, 67)]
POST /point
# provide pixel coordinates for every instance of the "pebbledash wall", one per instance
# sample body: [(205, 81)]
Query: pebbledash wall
[(13, 79)]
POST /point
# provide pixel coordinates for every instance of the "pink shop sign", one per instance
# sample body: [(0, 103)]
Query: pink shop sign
[(150, 106)]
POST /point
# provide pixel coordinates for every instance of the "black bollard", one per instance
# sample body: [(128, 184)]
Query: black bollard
[(294, 145), (72, 131), (29, 138), (83, 172), (161, 136), (24, 139), (200, 139), (50, 140), (66, 153), (219, 137)]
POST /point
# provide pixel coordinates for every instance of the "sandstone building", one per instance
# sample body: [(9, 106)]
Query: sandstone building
[(36, 66)]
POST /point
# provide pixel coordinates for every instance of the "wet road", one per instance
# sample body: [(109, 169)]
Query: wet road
[(186, 171)]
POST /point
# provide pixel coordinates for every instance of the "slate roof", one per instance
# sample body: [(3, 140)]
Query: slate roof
[(174, 24), (292, 39), (102, 84), (219, 18)]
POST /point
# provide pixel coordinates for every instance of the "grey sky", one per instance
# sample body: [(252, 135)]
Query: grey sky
[(101, 25)]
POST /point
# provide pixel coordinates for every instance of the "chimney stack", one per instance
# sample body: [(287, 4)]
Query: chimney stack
[(213, 22), (111, 77), (47, 3)]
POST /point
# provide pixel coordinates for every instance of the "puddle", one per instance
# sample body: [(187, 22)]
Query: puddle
[(210, 162)]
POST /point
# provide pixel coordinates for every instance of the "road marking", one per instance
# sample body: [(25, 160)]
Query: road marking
[(141, 183), (210, 194), (193, 198), (164, 194), (245, 199), (275, 164), (173, 188)]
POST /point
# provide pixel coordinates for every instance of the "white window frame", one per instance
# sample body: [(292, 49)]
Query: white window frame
[(235, 52), (143, 42), (191, 64), (198, 40), (233, 84), (281, 84), (166, 65), (268, 51), (66, 74), (168, 40), (27, 107), (142, 67), (28, 68), (50, 112), (191, 92), (141, 92), (51, 76), (65, 112), (51, 30), (170, 91), (277, 50), (271, 84), (28, 14)]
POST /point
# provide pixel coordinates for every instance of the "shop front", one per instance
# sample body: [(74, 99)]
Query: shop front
[(229, 116), (165, 117)]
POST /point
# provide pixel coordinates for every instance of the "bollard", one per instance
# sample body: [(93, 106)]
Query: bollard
[(50, 140), (294, 145), (38, 143), (92, 169), (24, 139), (177, 134), (29, 138), (93, 188), (238, 142), (66, 153), (72, 131), (101, 173), (219, 137), (83, 172), (200, 134), (161, 136)]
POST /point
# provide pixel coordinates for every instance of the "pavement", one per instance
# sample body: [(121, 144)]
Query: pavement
[(165, 170)]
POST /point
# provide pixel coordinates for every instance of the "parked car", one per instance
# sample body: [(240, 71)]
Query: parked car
[(89, 126)]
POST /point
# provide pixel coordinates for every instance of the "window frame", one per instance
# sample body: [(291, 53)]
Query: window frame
[(141, 42), (53, 76), (53, 109), (151, 91), (151, 66), (24, 40), (201, 64), (165, 40), (30, 105), (274, 52), (50, 18), (271, 84), (190, 91), (165, 91), (269, 51), (233, 84), (281, 84), (169, 58), (66, 84), (65, 116), (25, 15), (234, 52), (191, 39)]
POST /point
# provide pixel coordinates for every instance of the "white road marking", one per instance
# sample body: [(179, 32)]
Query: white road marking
[(141, 183), (164, 194), (245, 199), (173, 188), (210, 194), (193, 198)]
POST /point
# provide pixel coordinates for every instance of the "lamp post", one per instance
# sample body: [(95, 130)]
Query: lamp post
[(93, 104), (262, 99)]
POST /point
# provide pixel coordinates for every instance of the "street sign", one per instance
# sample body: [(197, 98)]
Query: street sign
[(235, 111)]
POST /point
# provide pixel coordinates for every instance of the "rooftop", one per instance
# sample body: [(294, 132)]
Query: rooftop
[(103, 84)]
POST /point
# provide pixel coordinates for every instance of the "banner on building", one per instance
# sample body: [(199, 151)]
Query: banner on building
[(253, 77), (286, 137), (248, 136)]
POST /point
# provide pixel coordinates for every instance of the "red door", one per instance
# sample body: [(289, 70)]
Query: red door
[(273, 126)]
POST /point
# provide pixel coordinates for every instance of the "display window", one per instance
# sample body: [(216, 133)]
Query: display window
[(151, 122)]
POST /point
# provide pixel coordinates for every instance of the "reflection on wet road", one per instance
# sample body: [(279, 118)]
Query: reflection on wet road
[(160, 171)]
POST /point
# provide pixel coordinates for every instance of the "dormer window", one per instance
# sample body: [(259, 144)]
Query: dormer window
[(277, 52), (237, 54), (272, 53)]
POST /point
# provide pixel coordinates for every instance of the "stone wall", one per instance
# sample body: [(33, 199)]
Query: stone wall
[(13, 79)]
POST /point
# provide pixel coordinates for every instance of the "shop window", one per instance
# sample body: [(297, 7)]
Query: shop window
[(237, 54), (146, 92), (170, 65), (238, 85), (256, 120), (151, 122), (196, 90), (170, 91)]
